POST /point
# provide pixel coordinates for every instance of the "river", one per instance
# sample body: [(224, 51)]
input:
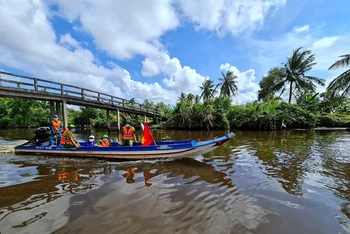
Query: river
[(258, 182)]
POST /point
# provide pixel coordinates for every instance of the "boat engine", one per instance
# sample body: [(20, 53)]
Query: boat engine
[(42, 134)]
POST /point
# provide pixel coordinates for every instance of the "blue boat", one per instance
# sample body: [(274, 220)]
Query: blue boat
[(164, 149)]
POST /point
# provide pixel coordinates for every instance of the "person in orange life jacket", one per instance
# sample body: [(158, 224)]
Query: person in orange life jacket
[(91, 142), (129, 175), (127, 135), (104, 142), (68, 140), (56, 127)]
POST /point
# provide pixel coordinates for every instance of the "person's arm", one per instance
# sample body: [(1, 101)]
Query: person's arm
[(70, 137), (61, 127), (52, 128), (134, 133)]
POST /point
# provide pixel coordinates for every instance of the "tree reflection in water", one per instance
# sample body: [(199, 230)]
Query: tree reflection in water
[(312, 168)]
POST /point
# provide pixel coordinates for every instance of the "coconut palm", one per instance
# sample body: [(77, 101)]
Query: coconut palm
[(228, 84), (197, 99), (190, 98), (183, 96), (342, 82), (297, 65), (268, 82), (208, 90)]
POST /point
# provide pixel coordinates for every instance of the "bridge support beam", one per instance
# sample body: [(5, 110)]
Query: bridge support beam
[(58, 110), (52, 109), (108, 119), (145, 118), (118, 120), (64, 114)]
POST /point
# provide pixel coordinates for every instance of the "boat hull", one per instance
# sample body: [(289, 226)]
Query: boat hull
[(175, 149)]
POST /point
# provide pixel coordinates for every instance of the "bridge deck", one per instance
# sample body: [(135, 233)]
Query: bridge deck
[(19, 86)]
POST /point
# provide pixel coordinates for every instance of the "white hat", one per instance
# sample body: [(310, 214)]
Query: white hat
[(91, 137)]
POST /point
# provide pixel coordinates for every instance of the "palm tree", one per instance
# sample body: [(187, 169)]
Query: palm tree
[(208, 90), (228, 84), (183, 96), (268, 82), (342, 82), (190, 98), (197, 99), (297, 65)]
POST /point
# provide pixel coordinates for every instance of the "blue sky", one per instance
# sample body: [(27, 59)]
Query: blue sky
[(157, 49)]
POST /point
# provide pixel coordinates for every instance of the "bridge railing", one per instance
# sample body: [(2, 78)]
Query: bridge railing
[(20, 82)]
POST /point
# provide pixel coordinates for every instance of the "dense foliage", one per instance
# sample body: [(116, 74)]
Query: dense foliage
[(23, 113)]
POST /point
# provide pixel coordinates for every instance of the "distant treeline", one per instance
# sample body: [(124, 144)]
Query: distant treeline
[(189, 113)]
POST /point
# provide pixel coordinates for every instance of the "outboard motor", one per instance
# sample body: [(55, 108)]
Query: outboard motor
[(42, 134)]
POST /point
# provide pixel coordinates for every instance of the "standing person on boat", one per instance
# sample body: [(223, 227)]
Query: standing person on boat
[(68, 140), (127, 134), (56, 127), (91, 142), (104, 142)]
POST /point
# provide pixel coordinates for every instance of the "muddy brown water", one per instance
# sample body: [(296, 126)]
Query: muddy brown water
[(258, 182)]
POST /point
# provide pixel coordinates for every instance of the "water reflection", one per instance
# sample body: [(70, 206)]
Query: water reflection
[(51, 182), (259, 182)]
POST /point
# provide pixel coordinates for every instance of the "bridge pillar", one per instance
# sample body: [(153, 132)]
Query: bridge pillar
[(145, 118), (52, 109), (118, 120), (64, 114), (58, 109), (108, 119)]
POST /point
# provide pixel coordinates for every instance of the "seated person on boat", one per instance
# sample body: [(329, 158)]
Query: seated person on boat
[(56, 127), (91, 142), (127, 135), (68, 140), (104, 142)]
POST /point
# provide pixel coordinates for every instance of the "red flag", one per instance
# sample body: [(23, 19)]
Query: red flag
[(147, 137)]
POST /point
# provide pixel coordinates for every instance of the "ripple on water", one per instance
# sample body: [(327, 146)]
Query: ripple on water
[(295, 184)]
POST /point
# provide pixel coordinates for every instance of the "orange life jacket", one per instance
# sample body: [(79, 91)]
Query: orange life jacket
[(68, 176), (105, 143), (64, 136), (63, 175), (128, 133), (56, 125), (130, 172), (147, 175)]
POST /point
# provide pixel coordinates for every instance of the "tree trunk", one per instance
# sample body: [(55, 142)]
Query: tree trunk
[(290, 91)]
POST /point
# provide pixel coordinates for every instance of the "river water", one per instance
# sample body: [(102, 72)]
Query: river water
[(258, 182)]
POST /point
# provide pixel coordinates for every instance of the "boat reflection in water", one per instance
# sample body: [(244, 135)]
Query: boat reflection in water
[(61, 191)]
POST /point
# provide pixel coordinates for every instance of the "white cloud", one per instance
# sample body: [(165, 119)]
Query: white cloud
[(68, 41), (234, 16), (177, 78), (324, 43), (134, 28), (247, 87), (271, 53), (301, 29), (40, 55), (122, 28)]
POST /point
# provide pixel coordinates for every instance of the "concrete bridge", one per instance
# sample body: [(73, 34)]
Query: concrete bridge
[(59, 95)]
